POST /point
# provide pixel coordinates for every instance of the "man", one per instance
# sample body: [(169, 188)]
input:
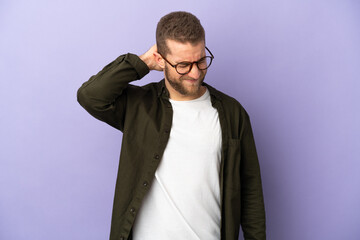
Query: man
[(188, 166)]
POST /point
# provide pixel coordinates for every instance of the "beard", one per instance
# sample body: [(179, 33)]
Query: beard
[(179, 85)]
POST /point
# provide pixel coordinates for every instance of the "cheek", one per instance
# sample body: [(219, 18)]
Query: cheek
[(202, 75), (169, 73)]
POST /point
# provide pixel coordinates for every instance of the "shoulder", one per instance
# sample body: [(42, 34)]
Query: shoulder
[(229, 104), (235, 116), (145, 95), (154, 88)]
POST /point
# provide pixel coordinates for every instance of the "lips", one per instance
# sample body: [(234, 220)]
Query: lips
[(191, 80)]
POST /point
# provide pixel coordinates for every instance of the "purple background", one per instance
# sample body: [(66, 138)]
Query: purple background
[(294, 65)]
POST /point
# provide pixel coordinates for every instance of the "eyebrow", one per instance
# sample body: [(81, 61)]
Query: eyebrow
[(189, 61)]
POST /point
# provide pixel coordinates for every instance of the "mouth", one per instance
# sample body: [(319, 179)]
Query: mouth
[(191, 80)]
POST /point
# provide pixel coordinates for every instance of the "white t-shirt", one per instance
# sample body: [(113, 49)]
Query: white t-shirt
[(184, 199)]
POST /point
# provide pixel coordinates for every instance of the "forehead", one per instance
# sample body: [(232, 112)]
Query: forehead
[(180, 52)]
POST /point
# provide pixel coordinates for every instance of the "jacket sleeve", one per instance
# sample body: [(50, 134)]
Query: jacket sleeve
[(104, 94), (252, 202)]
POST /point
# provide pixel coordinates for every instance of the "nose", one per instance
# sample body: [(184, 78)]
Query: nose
[(195, 72)]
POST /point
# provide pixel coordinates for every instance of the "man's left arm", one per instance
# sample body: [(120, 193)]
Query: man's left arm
[(252, 202)]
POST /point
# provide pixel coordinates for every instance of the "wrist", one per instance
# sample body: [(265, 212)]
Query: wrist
[(145, 58)]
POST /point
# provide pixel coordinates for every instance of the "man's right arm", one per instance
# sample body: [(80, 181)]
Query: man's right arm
[(104, 94)]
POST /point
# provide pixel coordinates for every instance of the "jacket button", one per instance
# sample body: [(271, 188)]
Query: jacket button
[(145, 184), (157, 156), (132, 210)]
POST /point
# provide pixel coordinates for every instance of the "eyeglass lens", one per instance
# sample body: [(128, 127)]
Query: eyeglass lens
[(203, 64)]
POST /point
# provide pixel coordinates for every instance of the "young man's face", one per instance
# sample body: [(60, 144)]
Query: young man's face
[(188, 86)]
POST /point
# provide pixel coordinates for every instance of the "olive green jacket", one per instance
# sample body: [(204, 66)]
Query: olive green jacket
[(144, 115)]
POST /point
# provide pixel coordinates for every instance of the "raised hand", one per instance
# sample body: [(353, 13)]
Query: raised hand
[(150, 58)]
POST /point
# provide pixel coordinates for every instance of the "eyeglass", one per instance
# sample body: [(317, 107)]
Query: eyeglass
[(183, 68)]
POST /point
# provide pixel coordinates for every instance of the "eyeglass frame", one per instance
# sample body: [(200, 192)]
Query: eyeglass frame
[(192, 63)]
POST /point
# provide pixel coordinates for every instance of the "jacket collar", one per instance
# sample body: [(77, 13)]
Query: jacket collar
[(161, 89)]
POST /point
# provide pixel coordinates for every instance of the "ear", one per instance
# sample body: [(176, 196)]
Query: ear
[(159, 59)]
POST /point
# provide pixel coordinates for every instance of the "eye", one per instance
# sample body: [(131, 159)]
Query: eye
[(202, 62), (183, 65)]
